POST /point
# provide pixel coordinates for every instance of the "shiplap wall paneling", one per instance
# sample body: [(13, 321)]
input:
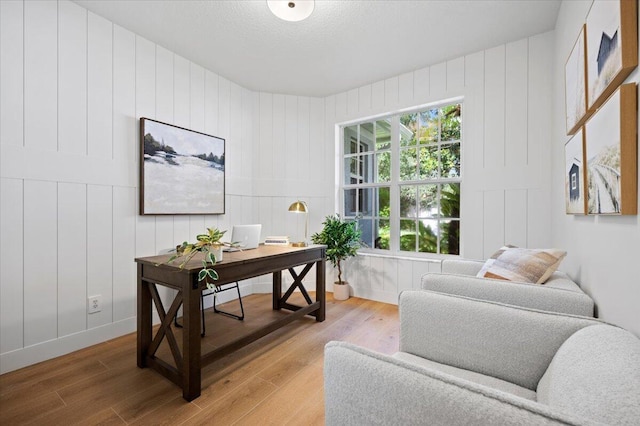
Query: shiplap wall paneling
[(244, 172), (291, 138), (472, 223), (421, 85), (515, 217), (124, 268), (72, 258), (278, 147), (11, 73), (124, 102), (317, 164), (391, 93), (494, 111), (181, 92), (145, 85), (11, 264), (224, 107), (264, 151), (303, 160), (40, 267), (538, 218), (353, 102), (211, 103), (455, 76), (516, 102), (377, 98), (196, 98), (438, 81), (100, 251), (100, 87), (164, 85), (40, 75), (472, 202), (494, 220), (364, 98), (390, 275), (72, 78), (234, 144), (406, 270), (405, 88), (539, 92)]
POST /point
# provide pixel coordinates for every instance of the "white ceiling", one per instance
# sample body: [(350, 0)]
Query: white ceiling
[(342, 45)]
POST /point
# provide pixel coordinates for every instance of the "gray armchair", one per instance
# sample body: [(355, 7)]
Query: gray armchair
[(558, 294), (464, 361)]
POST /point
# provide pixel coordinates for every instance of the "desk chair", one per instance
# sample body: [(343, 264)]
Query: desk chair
[(214, 291)]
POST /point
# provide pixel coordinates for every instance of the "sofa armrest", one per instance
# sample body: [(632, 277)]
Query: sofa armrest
[(362, 387), (503, 341), (535, 296)]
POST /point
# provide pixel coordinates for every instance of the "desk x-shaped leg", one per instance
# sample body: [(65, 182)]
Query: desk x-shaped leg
[(165, 325), (279, 300)]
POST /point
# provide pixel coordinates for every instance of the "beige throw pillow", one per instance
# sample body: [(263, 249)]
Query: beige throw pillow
[(489, 261), (525, 265)]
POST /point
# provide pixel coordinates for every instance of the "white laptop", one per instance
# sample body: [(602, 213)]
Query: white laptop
[(245, 236)]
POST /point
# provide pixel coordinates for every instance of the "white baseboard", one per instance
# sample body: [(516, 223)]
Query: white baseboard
[(30, 355)]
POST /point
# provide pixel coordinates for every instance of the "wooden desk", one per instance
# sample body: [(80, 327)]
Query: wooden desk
[(236, 266)]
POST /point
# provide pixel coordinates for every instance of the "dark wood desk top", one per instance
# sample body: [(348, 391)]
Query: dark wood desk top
[(238, 265)]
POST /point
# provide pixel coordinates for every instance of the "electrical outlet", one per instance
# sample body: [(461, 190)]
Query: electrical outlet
[(94, 304)]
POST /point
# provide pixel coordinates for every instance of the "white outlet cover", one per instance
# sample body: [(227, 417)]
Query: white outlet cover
[(94, 304)]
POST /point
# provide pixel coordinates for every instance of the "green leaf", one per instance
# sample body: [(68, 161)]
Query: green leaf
[(212, 258), (202, 275), (212, 274)]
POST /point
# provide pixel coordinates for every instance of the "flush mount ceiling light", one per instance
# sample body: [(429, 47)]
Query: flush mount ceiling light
[(291, 10)]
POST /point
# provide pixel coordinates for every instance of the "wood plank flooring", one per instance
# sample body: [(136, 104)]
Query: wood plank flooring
[(276, 380)]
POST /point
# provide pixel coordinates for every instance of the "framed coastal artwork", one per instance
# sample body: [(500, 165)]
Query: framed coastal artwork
[(575, 84), (575, 187), (612, 47), (612, 154), (181, 171)]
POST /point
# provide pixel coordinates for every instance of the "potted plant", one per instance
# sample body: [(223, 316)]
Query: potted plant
[(211, 245), (342, 239)]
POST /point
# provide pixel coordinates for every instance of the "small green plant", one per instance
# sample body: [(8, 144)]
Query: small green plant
[(342, 239), (204, 244)]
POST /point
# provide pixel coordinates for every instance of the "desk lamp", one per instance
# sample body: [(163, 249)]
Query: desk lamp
[(301, 207)]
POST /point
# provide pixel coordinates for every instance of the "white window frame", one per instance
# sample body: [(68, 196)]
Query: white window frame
[(395, 183)]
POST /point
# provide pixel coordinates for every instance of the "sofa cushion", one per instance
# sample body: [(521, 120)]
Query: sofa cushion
[(472, 376), (595, 374), (524, 265)]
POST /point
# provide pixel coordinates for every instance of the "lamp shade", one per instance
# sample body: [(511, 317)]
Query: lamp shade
[(291, 10), (298, 207)]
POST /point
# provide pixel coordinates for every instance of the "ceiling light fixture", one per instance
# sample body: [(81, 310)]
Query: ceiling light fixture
[(291, 10)]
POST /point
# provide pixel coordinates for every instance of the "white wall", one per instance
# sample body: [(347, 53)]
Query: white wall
[(505, 151), (73, 87), (603, 251)]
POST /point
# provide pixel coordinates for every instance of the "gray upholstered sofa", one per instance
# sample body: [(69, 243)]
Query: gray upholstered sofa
[(558, 294), (464, 361)]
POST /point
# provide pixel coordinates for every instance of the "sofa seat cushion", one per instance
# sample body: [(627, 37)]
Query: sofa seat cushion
[(471, 376), (595, 374)]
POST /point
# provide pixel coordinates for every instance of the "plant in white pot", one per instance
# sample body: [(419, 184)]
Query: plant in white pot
[(342, 239)]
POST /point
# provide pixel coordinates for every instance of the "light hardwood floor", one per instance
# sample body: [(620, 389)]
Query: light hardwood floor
[(276, 380)]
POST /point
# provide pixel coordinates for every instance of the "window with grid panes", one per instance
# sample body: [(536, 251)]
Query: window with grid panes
[(402, 180)]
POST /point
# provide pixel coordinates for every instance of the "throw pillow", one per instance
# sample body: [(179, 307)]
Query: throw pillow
[(525, 265), (489, 261)]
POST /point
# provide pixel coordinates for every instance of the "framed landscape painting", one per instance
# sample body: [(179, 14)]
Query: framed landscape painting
[(181, 170), (612, 47), (575, 80), (574, 186), (612, 153)]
